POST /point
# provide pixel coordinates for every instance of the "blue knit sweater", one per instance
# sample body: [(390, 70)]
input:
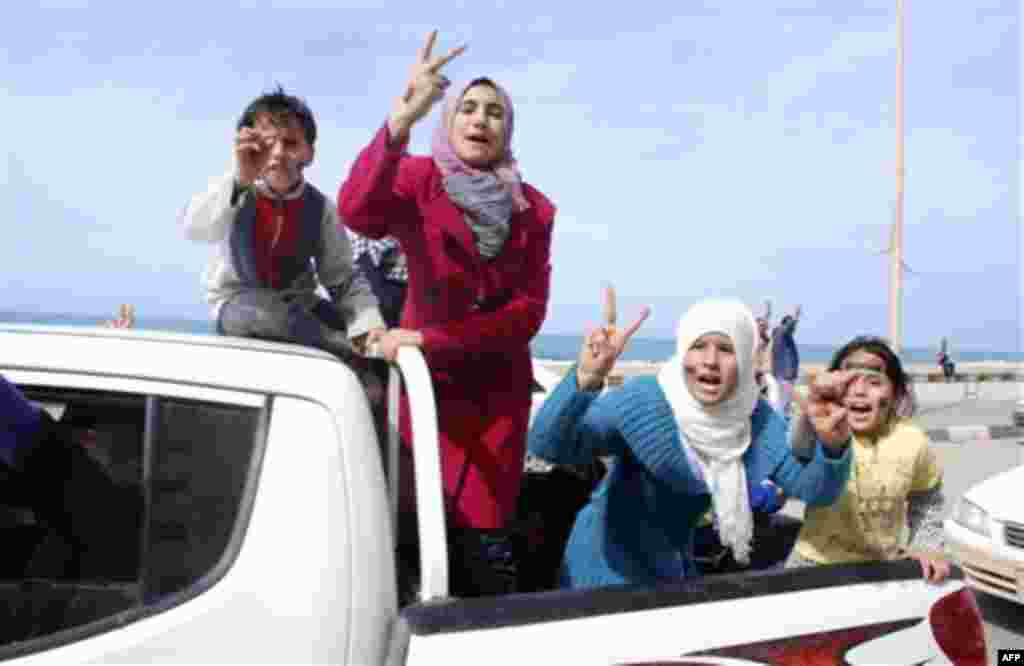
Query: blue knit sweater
[(638, 526)]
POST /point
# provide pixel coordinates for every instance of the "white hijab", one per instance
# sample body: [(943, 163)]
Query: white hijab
[(718, 436)]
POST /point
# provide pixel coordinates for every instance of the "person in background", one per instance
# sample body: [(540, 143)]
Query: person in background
[(895, 484), (694, 437), (945, 361), (785, 357), (384, 266), (477, 242), (125, 317), (763, 356), (770, 389), (277, 237)]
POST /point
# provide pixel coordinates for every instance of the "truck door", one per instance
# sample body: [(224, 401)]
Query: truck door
[(781, 618)]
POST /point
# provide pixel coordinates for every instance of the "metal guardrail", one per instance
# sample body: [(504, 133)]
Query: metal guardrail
[(616, 379), (976, 377), (986, 377)]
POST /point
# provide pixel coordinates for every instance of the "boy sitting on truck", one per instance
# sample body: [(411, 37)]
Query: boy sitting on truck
[(276, 236)]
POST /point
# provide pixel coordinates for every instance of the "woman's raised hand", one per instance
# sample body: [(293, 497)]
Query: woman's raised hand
[(424, 88), (601, 347)]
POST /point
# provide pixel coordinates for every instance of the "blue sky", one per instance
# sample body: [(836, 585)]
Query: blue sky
[(693, 149)]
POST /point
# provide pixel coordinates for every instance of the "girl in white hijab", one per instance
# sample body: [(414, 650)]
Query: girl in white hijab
[(716, 428), (695, 435)]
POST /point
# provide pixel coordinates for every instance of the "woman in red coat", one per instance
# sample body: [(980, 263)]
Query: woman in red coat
[(477, 243)]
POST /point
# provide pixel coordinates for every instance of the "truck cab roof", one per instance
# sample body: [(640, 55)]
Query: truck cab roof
[(221, 362)]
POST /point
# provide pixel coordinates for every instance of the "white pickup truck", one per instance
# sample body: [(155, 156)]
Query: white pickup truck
[(267, 536)]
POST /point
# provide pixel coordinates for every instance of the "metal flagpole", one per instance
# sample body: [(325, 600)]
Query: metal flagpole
[(896, 254)]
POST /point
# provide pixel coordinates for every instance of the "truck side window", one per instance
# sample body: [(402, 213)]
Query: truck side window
[(131, 510), (201, 459), (104, 434), (72, 515)]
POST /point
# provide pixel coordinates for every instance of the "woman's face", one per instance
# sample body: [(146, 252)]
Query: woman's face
[(871, 396), (710, 369), (478, 127)]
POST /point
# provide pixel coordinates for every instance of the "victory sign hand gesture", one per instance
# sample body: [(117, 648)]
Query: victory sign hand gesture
[(601, 347), (425, 87)]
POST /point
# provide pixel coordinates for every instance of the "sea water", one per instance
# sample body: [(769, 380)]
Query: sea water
[(552, 347)]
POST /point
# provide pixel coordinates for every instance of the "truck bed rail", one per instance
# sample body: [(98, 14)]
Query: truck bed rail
[(411, 368)]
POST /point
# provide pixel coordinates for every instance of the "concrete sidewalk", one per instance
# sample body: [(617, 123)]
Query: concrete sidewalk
[(939, 392), (961, 412), (971, 433)]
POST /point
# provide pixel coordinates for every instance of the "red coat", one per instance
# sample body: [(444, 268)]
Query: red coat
[(477, 318)]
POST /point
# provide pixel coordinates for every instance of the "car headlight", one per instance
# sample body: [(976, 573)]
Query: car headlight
[(970, 515)]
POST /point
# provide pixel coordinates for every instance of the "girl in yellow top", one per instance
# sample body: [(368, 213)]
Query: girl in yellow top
[(892, 504)]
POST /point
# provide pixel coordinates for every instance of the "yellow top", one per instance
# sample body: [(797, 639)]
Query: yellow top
[(869, 520)]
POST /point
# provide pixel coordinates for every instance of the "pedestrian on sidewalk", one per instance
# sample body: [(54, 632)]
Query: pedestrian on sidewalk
[(945, 362)]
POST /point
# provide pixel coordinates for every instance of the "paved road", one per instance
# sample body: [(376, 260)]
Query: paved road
[(964, 412)]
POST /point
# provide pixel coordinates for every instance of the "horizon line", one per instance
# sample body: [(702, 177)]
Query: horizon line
[(668, 337)]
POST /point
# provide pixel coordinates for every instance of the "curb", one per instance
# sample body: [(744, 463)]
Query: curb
[(974, 433)]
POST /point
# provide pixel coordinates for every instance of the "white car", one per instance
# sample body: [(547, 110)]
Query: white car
[(986, 535)]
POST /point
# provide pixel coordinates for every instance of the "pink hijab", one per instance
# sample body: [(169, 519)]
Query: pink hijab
[(506, 170)]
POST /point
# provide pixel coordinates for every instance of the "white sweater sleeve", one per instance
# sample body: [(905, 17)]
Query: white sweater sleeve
[(209, 215), (347, 286)]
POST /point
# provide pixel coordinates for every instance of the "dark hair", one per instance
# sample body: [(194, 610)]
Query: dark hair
[(481, 81), (278, 103), (880, 348)]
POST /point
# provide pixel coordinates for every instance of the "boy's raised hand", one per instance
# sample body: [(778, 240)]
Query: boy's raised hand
[(426, 85), (603, 346), (251, 155)]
